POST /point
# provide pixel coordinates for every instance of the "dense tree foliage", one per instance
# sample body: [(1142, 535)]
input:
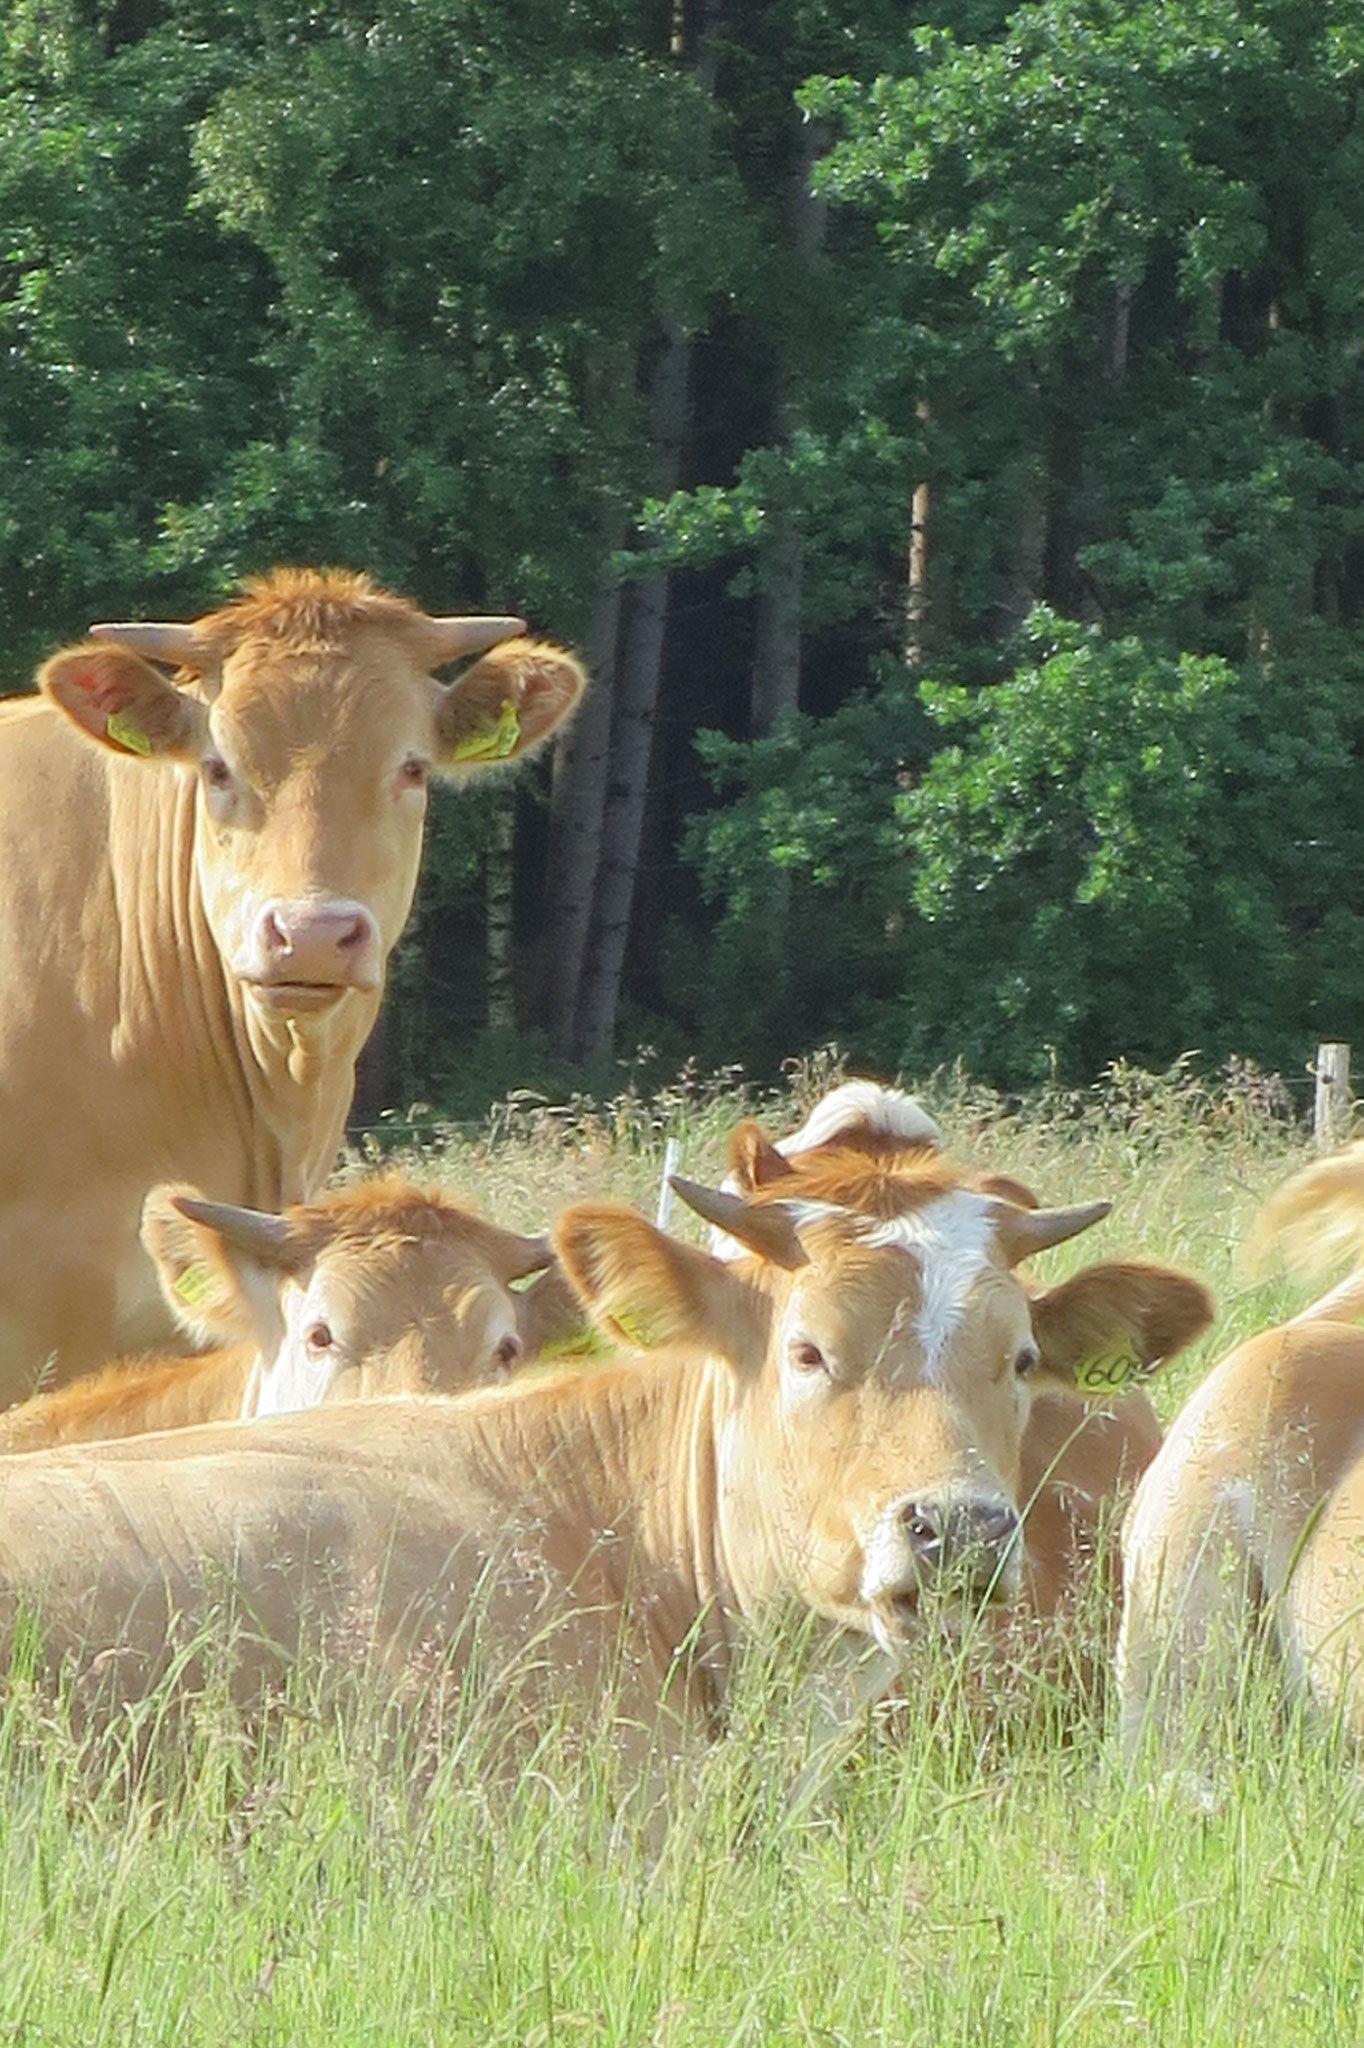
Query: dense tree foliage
[(942, 428)]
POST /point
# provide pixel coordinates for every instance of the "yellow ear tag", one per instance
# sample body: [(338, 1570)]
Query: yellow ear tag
[(1108, 1371), (124, 730), (635, 1330), (196, 1285), (587, 1343), (492, 742)]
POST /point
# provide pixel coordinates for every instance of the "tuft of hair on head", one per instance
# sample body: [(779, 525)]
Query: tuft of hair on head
[(867, 1109)]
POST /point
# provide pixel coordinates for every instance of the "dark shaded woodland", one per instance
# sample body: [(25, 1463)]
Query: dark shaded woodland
[(941, 427)]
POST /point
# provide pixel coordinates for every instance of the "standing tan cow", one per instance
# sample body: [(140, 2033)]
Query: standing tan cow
[(201, 885), (1080, 1458), (1254, 1509), (837, 1422), (378, 1289)]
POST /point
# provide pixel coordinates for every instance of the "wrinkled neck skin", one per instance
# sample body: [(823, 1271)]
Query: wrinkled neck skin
[(289, 1079)]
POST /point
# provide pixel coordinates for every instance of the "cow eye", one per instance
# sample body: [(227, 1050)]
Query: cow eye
[(506, 1353), (319, 1337), (414, 773), (807, 1357), (1027, 1360), (215, 771)]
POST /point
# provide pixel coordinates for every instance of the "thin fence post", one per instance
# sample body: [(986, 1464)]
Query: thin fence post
[(1332, 1117), (672, 1153)]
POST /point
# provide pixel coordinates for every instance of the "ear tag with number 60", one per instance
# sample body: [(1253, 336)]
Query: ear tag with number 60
[(1107, 1372)]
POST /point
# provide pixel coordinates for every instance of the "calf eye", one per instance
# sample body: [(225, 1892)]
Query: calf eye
[(215, 771), (807, 1357), (1027, 1360), (319, 1337)]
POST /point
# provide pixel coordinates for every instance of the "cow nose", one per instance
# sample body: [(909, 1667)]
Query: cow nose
[(319, 942), (964, 1540)]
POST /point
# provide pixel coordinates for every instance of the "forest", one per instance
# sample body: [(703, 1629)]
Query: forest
[(940, 427)]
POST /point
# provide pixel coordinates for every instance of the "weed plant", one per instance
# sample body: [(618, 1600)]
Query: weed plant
[(965, 1862)]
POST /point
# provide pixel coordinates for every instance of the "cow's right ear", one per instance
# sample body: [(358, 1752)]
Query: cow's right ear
[(646, 1289), (120, 700), (218, 1290)]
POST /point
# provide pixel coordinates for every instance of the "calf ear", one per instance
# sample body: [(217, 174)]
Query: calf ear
[(505, 706), (552, 1321), (116, 698), (1114, 1324), (646, 1289), (754, 1161), (218, 1290)]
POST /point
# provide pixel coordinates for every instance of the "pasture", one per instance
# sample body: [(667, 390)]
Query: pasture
[(965, 1868)]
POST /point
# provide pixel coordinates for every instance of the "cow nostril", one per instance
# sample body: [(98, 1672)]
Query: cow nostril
[(921, 1527), (276, 938), (353, 937)]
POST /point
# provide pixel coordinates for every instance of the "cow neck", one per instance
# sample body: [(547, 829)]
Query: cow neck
[(628, 1450), (275, 1090)]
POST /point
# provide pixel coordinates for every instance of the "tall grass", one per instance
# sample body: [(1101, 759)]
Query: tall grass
[(968, 1864)]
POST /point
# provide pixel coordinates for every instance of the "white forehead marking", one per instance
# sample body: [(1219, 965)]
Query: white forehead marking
[(863, 1106), (951, 1238)]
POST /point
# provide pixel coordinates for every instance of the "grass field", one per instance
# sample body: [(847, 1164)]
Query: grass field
[(960, 1874)]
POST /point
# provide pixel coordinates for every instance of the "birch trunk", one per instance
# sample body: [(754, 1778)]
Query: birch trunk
[(499, 952)]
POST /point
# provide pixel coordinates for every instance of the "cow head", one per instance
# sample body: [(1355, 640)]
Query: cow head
[(374, 1290), (308, 714), (871, 1376)]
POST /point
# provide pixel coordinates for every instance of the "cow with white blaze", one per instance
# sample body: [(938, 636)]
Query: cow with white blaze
[(836, 1423), (1253, 1512), (201, 881), (1080, 1457), (382, 1288)]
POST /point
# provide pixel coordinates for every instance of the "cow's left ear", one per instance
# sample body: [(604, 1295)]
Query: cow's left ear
[(506, 705), (646, 1289), (115, 697), (1114, 1324), (220, 1267)]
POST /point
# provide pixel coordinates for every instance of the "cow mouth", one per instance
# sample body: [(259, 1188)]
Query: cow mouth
[(898, 1618), (292, 996)]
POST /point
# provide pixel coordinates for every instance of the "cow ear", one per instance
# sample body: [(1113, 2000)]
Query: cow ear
[(505, 706), (1008, 1190), (552, 1321), (645, 1289), (754, 1161), (1113, 1324), (219, 1289), (119, 700)]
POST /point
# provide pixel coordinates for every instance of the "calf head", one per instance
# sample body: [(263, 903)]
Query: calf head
[(309, 717), (380, 1289), (871, 1373)]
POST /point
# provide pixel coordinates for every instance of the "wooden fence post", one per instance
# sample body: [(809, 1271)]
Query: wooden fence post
[(1332, 1118)]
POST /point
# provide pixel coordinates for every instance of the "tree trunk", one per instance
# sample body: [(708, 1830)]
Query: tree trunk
[(775, 682), (577, 805), (635, 702), (498, 870)]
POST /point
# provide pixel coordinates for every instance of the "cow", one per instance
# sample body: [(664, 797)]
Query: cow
[(1253, 1511), (1080, 1458), (836, 1424), (376, 1289), (202, 881)]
